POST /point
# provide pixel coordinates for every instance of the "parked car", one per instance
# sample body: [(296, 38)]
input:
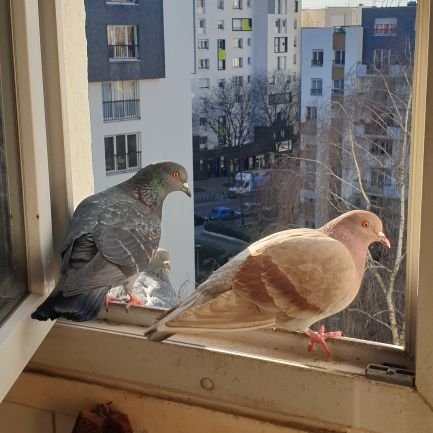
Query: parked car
[(198, 219), (223, 213)]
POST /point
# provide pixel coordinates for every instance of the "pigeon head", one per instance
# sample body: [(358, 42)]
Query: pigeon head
[(155, 181), (362, 225)]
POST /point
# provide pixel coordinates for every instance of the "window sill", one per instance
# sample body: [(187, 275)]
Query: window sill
[(263, 374)]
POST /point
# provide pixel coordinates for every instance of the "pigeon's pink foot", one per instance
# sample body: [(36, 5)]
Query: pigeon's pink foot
[(320, 337), (109, 299), (133, 300)]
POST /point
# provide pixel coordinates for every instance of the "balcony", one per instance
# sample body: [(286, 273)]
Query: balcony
[(122, 163), (316, 92), (123, 52), (121, 110), (338, 63), (316, 62)]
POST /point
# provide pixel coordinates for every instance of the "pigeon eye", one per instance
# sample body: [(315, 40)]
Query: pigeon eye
[(365, 224), (175, 174)]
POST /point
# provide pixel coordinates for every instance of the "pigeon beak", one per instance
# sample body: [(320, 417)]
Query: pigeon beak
[(383, 239), (167, 264), (185, 189)]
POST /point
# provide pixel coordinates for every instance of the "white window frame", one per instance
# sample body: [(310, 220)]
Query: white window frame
[(203, 44), (315, 58), (127, 168), (281, 63), (315, 89), (133, 42), (260, 374), (238, 43), (201, 27), (238, 62), (237, 4), (220, 24), (121, 108), (201, 6), (50, 118), (220, 5), (203, 64)]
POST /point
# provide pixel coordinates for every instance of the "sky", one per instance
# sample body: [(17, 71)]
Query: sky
[(307, 4)]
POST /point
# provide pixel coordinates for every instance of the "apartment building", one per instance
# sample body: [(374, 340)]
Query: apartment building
[(239, 39), (355, 120), (329, 60), (332, 16), (139, 70)]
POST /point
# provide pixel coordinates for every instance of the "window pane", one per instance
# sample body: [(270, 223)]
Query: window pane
[(13, 284), (109, 153), (132, 151), (121, 152)]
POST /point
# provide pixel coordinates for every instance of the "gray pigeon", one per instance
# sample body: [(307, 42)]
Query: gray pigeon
[(291, 279), (111, 239), (152, 287)]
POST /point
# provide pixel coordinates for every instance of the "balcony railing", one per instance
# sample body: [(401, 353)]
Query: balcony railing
[(338, 63), (119, 110), (128, 2), (123, 162), (316, 92), (123, 51), (316, 62)]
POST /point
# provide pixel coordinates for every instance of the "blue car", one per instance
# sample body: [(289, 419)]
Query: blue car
[(223, 213)]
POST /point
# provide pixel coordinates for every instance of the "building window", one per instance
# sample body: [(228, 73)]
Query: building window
[(220, 4), (385, 26), (222, 130), (249, 42), (238, 43), (221, 83), (201, 27), (311, 113), (203, 44), (201, 6), (122, 153), (381, 146), (280, 45), (203, 64), (295, 41), (285, 26), (294, 59), (317, 59), (248, 3), (316, 87), (249, 60), (122, 42), (278, 25), (237, 4), (238, 80), (380, 177), (202, 121), (249, 78), (338, 87), (220, 24), (120, 100), (242, 24), (221, 45), (339, 57), (204, 83), (202, 141), (296, 6), (295, 24), (238, 62), (281, 63), (281, 7)]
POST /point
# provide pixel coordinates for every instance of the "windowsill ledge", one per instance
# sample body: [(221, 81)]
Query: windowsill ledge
[(263, 374)]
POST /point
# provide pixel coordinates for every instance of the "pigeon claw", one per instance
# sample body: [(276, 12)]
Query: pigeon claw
[(109, 299), (320, 337), (133, 300)]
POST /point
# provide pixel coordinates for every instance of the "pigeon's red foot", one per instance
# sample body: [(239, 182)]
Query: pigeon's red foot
[(109, 299), (132, 300), (320, 337)]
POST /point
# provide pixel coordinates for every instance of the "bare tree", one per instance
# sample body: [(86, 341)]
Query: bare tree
[(367, 140), (277, 97), (230, 111)]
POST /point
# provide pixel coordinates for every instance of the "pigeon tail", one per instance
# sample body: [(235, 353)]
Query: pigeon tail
[(79, 308)]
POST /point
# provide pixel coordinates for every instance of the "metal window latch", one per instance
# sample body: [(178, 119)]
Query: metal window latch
[(391, 373)]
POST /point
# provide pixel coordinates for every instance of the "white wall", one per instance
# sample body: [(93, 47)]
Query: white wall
[(165, 128)]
